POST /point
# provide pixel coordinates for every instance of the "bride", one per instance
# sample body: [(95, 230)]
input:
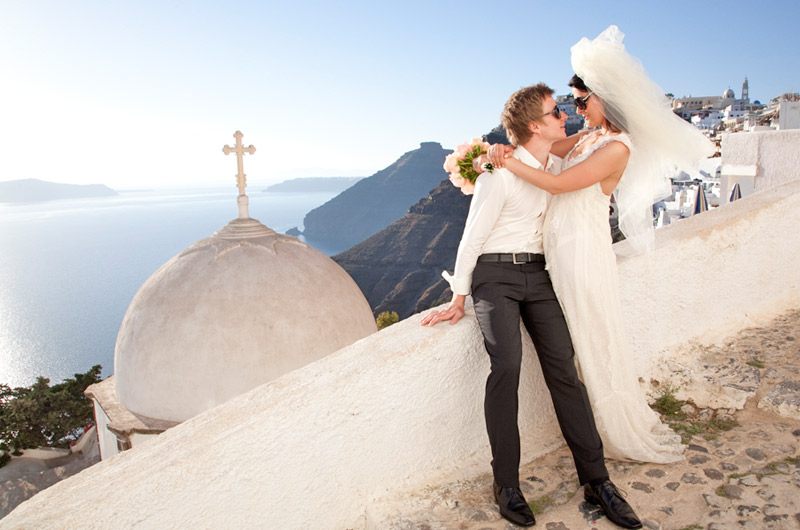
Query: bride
[(636, 142)]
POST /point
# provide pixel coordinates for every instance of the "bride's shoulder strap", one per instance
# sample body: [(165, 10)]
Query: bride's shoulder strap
[(606, 139), (624, 138), (619, 137)]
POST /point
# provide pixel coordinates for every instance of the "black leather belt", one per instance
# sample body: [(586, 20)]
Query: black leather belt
[(517, 259)]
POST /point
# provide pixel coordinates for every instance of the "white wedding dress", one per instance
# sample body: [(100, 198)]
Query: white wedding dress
[(583, 268)]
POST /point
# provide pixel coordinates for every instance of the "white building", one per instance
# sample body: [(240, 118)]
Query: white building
[(710, 112), (566, 104), (707, 120), (789, 114)]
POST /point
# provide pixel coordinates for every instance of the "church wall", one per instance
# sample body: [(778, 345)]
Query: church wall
[(138, 439), (105, 438), (695, 103), (402, 408)]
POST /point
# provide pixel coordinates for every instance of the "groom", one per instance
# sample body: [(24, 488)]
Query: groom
[(500, 261)]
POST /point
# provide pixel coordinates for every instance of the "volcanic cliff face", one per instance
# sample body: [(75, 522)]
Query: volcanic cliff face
[(375, 202), (399, 268)]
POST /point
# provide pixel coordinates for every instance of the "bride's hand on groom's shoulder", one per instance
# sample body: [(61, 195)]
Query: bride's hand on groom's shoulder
[(498, 153), (478, 164)]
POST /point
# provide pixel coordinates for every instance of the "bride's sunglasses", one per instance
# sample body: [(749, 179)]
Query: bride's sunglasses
[(581, 102)]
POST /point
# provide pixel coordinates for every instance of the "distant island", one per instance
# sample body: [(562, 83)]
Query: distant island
[(314, 184), (35, 190)]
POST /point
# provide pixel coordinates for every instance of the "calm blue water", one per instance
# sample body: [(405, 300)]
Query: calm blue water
[(69, 269)]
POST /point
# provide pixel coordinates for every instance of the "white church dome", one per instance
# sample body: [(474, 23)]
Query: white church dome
[(229, 313), (728, 94)]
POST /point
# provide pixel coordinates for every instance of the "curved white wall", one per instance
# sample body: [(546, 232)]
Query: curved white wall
[(402, 408)]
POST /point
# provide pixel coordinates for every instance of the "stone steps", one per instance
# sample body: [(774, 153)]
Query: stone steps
[(18, 487)]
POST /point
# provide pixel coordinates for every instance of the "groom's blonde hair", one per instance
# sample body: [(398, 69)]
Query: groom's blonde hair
[(523, 107)]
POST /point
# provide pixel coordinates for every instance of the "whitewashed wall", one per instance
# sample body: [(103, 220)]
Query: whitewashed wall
[(776, 155), (402, 408), (713, 274)]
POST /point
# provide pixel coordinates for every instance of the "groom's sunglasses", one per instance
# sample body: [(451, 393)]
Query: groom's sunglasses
[(581, 102), (555, 112)]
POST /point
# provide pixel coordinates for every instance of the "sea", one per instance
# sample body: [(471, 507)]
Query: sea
[(70, 268)]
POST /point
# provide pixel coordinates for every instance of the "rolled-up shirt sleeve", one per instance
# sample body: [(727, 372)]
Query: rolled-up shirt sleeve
[(484, 210)]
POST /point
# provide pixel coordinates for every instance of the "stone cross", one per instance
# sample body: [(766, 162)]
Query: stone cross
[(241, 180)]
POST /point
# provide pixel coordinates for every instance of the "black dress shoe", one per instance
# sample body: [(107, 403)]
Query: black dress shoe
[(606, 496), (513, 506)]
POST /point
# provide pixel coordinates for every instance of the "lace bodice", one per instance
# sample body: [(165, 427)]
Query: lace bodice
[(574, 158)]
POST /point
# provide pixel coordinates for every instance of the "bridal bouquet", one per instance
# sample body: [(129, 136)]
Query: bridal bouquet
[(460, 165)]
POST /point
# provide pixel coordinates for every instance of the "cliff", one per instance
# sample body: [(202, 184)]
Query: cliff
[(399, 268), (314, 184), (497, 136), (375, 202)]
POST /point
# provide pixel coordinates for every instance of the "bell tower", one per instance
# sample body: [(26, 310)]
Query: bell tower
[(745, 91)]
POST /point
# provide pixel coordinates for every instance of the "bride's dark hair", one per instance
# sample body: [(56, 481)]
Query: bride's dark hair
[(614, 118)]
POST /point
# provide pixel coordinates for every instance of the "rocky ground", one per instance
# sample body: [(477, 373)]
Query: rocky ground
[(742, 466)]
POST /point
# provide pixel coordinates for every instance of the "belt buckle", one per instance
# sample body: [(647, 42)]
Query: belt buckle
[(514, 259)]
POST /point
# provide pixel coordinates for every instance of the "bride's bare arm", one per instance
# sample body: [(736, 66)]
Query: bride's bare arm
[(605, 163)]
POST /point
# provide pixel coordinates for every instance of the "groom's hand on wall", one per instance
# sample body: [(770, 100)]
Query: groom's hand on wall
[(453, 312)]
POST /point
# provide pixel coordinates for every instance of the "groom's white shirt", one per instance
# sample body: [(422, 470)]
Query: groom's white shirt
[(506, 215)]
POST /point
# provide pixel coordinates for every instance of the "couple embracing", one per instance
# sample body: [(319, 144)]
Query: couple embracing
[(537, 247)]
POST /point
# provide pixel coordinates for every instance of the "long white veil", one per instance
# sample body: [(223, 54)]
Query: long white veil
[(661, 140)]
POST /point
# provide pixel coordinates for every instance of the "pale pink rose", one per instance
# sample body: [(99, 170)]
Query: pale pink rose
[(457, 180), (462, 150), (450, 163), (467, 187), (476, 141)]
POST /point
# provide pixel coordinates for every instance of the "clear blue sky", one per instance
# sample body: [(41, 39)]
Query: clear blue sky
[(145, 93)]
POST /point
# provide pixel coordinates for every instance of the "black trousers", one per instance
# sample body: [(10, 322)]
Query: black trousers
[(502, 293)]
